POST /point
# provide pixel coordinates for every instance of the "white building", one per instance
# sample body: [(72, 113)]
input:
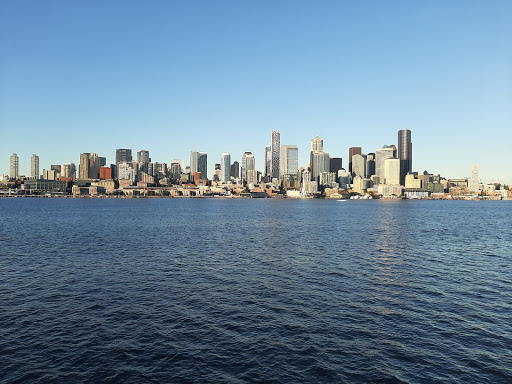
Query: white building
[(392, 171), (225, 167)]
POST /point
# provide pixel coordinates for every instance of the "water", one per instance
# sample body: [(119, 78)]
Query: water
[(257, 290)]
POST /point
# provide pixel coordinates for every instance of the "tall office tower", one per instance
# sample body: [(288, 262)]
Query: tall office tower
[(370, 165), (68, 171), (289, 161), (404, 153), (34, 167), (57, 168), (180, 162), (317, 145), (143, 156), (235, 170), (15, 166), (392, 171), (94, 166), (202, 165), (474, 182), (359, 165), (275, 148), (225, 167), (83, 170), (193, 162), (335, 164), (268, 160), (248, 163), (321, 163), (351, 152), (175, 170), (386, 152), (123, 154)]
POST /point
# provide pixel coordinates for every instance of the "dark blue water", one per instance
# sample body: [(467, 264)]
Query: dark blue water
[(259, 290)]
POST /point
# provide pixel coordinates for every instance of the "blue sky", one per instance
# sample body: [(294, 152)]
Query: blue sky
[(219, 76)]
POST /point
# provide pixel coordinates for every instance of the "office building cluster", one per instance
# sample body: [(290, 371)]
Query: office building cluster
[(386, 172)]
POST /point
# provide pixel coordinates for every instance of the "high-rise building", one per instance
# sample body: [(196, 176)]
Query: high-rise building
[(351, 152), (34, 167), (248, 164), (125, 171), (235, 170), (202, 165), (268, 160), (83, 169), (289, 161), (143, 156), (275, 148), (175, 170), (193, 162), (68, 171), (321, 163), (15, 166), (55, 167), (123, 154), (317, 145), (370, 165), (404, 153), (225, 167), (335, 164), (474, 182), (386, 152), (359, 165), (392, 171), (94, 166)]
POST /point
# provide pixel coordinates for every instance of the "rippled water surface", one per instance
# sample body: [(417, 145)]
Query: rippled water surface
[(257, 290)]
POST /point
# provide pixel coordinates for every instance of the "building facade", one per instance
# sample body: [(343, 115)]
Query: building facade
[(34, 167), (275, 148), (404, 153)]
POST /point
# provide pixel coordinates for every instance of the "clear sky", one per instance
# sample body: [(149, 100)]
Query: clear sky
[(219, 76)]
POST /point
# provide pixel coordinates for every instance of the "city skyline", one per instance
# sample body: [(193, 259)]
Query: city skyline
[(352, 74), (199, 160)]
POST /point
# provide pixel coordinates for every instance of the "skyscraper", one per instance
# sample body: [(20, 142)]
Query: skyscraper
[(225, 167), (359, 165), (404, 153), (83, 169), (474, 182), (268, 160), (392, 171), (289, 160), (248, 164), (275, 148), (351, 152), (123, 154), (94, 166), (202, 165), (143, 156), (15, 166), (34, 167), (235, 170), (386, 152), (193, 162), (321, 163), (370, 165), (317, 146), (335, 164)]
